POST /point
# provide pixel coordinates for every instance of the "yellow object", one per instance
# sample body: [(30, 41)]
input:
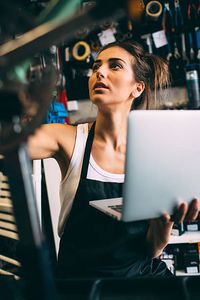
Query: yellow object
[(76, 49), (153, 9)]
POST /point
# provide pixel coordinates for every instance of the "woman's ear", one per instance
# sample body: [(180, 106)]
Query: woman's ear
[(138, 89)]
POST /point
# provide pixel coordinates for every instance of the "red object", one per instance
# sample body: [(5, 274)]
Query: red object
[(62, 98)]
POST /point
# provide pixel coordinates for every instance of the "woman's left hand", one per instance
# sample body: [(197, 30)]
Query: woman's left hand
[(159, 231)]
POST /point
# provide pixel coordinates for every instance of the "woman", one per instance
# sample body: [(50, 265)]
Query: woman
[(92, 166)]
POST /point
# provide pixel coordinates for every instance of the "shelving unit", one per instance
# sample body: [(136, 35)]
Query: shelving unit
[(186, 237), (183, 273)]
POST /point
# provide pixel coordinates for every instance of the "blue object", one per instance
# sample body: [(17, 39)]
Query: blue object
[(198, 38), (57, 113)]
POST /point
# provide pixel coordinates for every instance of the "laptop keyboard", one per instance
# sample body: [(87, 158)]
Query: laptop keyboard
[(117, 207)]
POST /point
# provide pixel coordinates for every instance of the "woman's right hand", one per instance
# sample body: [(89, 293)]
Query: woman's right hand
[(159, 231)]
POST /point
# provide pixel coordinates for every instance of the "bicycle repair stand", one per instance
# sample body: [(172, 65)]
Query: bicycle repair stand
[(34, 256)]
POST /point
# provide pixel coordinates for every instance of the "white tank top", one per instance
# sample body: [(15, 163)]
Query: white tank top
[(97, 173), (69, 184)]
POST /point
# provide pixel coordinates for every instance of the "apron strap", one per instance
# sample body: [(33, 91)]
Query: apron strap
[(88, 148)]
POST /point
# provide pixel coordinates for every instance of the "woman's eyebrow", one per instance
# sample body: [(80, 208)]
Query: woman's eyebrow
[(116, 58), (110, 60)]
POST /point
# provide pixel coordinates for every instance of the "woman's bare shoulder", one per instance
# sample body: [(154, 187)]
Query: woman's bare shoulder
[(50, 139), (61, 129), (65, 135)]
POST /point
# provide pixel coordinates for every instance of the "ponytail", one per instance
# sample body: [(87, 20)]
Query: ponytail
[(157, 80)]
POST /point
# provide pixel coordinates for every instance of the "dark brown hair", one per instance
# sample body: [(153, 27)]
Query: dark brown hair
[(147, 68)]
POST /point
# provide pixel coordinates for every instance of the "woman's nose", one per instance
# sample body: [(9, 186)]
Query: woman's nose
[(99, 74)]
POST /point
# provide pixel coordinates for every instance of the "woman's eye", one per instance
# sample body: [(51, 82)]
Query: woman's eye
[(116, 66), (95, 67)]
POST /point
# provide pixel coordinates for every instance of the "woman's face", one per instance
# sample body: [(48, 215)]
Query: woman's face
[(112, 80)]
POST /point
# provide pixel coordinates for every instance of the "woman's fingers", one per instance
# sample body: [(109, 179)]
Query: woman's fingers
[(180, 215), (166, 218), (193, 210), (187, 212)]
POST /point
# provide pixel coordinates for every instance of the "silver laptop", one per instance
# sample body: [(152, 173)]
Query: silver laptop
[(162, 165)]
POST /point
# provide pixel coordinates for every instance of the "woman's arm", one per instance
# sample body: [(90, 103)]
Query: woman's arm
[(159, 231), (53, 140)]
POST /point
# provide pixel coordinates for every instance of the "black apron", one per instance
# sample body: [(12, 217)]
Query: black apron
[(96, 245)]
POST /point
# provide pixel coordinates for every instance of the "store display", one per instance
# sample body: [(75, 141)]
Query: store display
[(192, 81), (191, 259), (166, 28), (178, 229), (192, 226), (185, 252), (169, 259)]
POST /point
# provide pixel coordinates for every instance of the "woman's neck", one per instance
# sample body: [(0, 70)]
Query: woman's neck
[(111, 128)]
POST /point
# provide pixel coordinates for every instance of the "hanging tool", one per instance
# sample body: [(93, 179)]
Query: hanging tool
[(178, 17), (167, 19), (168, 27), (149, 42)]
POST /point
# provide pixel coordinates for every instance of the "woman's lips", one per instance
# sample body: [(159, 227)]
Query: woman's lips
[(100, 85)]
